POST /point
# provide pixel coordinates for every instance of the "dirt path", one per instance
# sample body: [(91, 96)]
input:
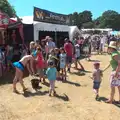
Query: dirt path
[(75, 100)]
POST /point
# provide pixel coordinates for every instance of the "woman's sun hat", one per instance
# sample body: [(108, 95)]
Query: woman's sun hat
[(113, 44)]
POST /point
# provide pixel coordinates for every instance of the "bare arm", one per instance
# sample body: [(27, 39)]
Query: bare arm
[(117, 58)]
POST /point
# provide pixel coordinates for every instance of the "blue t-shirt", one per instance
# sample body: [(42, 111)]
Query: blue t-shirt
[(51, 73)]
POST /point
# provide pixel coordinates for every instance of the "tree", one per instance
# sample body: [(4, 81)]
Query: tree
[(85, 16), (7, 8), (88, 25), (109, 19)]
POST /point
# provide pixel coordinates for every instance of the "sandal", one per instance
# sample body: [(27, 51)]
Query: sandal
[(25, 89), (16, 91), (110, 101)]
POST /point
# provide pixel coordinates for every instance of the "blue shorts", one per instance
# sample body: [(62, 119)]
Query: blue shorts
[(96, 85), (19, 65)]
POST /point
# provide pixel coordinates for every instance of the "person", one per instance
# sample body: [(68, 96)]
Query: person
[(50, 44), (68, 47), (77, 57), (57, 62), (115, 74), (26, 61), (40, 64), (51, 75), (2, 58), (32, 47), (97, 78), (63, 63)]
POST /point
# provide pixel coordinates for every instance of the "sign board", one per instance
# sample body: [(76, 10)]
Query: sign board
[(41, 15)]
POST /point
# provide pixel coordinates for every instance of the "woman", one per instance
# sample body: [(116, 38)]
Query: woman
[(26, 61), (115, 75)]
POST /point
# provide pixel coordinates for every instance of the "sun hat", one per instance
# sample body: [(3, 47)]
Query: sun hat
[(113, 44)]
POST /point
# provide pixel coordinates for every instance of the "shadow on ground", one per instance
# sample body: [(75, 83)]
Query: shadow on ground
[(72, 83), (117, 104), (63, 97), (37, 93)]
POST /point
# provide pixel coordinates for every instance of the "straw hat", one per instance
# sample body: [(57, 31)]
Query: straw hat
[(113, 44)]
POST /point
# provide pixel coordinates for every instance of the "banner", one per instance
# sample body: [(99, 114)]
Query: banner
[(41, 15)]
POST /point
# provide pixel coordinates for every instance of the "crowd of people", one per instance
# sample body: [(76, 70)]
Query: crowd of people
[(44, 59)]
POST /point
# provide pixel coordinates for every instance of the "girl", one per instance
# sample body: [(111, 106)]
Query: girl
[(32, 47), (51, 75), (57, 62), (26, 61), (77, 57), (63, 63), (40, 64), (97, 74)]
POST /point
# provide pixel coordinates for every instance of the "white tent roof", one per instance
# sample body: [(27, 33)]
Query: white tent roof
[(41, 26)]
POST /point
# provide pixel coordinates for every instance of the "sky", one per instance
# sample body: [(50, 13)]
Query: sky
[(97, 7)]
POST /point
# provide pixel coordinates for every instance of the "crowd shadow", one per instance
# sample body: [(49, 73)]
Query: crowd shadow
[(79, 73), (7, 78), (104, 99), (94, 60), (63, 97), (37, 93), (72, 83)]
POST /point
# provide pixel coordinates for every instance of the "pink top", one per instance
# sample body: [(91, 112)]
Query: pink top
[(68, 49), (40, 61)]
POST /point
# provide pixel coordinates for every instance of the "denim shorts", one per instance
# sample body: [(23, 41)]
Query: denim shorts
[(96, 85)]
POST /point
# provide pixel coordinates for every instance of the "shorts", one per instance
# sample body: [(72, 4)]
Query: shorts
[(69, 59), (62, 66), (40, 72), (19, 65), (96, 85)]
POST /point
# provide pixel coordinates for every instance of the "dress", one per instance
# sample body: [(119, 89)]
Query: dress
[(62, 60)]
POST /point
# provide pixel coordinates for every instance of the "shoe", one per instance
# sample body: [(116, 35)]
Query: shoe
[(54, 93), (50, 95)]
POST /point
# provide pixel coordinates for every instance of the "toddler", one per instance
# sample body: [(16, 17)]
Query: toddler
[(51, 75), (97, 78)]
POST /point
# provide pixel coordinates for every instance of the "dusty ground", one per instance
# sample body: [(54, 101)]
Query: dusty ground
[(75, 100)]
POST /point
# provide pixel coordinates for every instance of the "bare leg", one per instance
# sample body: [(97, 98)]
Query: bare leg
[(111, 95), (119, 92), (81, 65), (14, 84)]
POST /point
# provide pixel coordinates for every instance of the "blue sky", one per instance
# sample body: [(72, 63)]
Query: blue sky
[(97, 7)]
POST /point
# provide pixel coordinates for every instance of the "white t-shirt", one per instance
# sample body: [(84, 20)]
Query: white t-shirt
[(63, 58), (50, 45), (77, 50)]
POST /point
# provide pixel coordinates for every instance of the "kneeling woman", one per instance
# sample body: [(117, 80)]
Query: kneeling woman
[(26, 61)]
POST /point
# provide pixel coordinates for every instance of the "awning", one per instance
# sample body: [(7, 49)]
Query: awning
[(51, 27)]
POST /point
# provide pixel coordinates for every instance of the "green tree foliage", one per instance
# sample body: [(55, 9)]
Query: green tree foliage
[(7, 8), (109, 19)]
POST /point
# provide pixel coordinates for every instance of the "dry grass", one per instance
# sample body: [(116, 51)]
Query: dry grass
[(75, 99)]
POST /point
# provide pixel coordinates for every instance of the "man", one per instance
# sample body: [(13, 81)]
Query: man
[(68, 47), (50, 44)]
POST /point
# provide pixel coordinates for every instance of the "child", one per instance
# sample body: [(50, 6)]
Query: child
[(40, 64), (57, 62), (97, 78), (63, 63), (77, 57), (51, 75)]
